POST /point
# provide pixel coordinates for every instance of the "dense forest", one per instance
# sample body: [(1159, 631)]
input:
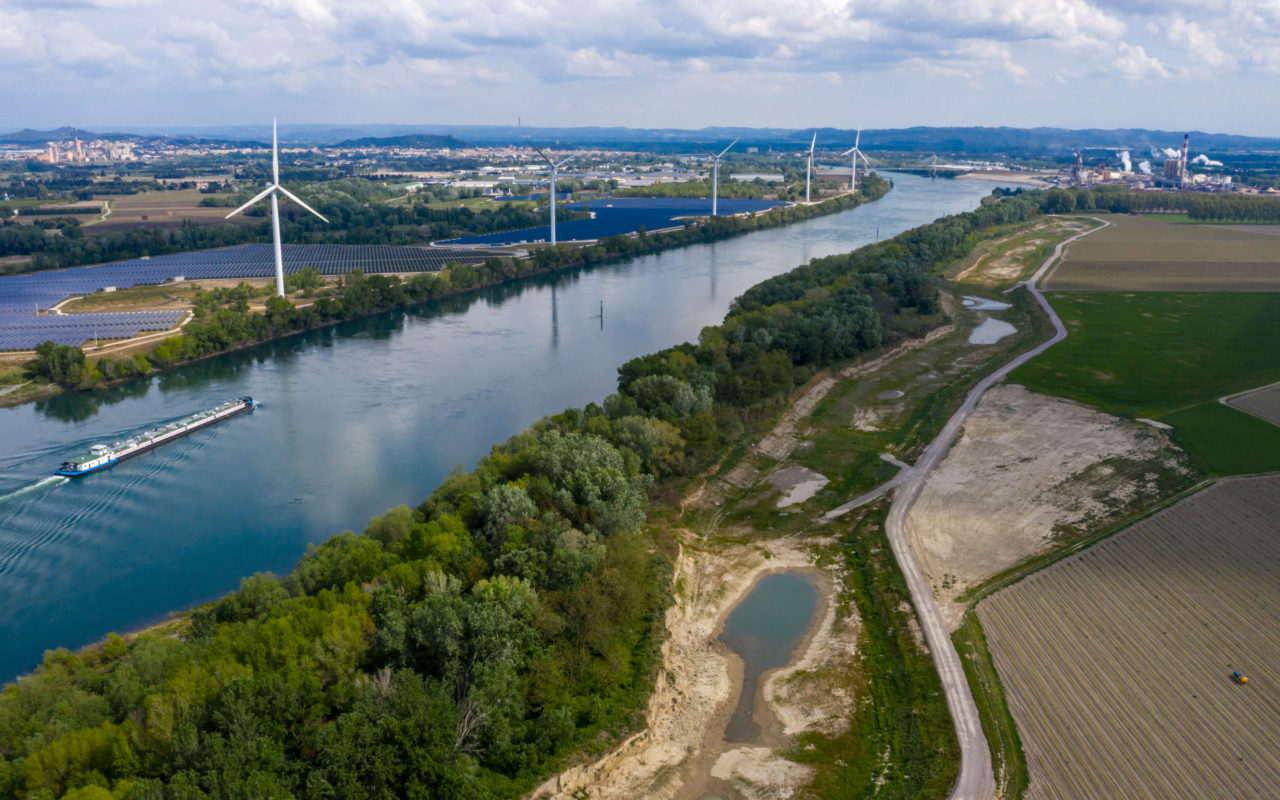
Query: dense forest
[(469, 646)]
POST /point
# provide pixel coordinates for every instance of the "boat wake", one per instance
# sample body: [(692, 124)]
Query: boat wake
[(43, 483)]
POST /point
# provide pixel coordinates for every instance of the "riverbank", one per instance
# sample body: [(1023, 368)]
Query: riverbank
[(461, 281)]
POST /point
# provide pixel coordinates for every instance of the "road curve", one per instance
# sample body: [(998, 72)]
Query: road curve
[(977, 780)]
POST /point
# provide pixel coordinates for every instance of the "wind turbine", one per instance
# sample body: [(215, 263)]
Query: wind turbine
[(809, 172), (715, 172), (853, 173), (275, 208), (555, 169)]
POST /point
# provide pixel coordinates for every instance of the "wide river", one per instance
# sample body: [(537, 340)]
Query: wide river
[(354, 419)]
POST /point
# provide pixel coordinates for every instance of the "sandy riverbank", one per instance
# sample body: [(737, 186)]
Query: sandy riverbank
[(681, 754)]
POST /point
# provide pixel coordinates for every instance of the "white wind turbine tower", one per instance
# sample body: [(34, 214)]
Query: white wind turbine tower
[(853, 174), (275, 208), (808, 175), (555, 170), (715, 172)]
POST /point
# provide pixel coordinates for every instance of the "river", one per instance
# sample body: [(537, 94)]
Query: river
[(354, 419)]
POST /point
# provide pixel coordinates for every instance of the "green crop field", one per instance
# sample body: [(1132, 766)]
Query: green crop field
[(1170, 356), (1152, 254)]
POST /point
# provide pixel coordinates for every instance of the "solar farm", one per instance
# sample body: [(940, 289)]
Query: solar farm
[(24, 332), (613, 216), (22, 296)]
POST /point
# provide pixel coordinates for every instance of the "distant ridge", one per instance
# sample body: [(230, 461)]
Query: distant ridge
[(29, 136), (407, 140), (974, 141)]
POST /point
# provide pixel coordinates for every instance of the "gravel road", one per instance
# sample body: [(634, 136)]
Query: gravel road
[(977, 780)]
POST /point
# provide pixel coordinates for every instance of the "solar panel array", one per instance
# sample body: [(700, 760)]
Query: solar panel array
[(617, 215), (24, 332), (21, 296)]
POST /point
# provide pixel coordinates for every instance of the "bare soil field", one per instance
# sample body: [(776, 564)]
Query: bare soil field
[(1148, 254), (164, 210), (1117, 661), (1263, 403), (1028, 472)]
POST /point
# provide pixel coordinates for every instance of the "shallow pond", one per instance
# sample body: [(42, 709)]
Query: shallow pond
[(991, 331), (765, 629), (983, 304)]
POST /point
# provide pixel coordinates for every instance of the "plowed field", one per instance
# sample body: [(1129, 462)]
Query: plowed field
[(1264, 403), (1117, 661), (1147, 254)]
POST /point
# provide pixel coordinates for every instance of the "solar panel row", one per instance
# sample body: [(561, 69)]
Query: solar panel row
[(21, 296), (613, 216), (25, 333)]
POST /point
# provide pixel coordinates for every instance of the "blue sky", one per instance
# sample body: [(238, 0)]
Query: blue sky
[(670, 63)]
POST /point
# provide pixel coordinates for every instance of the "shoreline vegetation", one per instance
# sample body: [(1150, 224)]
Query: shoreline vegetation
[(508, 625), (223, 322)]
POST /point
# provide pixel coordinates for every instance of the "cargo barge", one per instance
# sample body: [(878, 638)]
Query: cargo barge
[(101, 456)]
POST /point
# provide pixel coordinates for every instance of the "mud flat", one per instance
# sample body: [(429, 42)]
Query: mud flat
[(1026, 469), (1117, 661)]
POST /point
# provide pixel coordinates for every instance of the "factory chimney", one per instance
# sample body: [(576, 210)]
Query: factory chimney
[(1186, 144)]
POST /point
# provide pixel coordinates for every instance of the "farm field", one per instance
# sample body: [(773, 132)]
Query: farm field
[(1116, 662), (1263, 403), (163, 210), (1141, 254), (1170, 356)]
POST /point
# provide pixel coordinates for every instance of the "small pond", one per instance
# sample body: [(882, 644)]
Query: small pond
[(991, 331), (765, 629)]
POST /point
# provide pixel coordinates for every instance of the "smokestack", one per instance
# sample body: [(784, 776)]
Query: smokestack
[(1186, 144)]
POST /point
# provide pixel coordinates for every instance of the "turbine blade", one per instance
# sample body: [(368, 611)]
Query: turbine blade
[(275, 158), (865, 160), (571, 157), (857, 139), (731, 144), (705, 150), (295, 199), (542, 153), (814, 142), (255, 199), (847, 152)]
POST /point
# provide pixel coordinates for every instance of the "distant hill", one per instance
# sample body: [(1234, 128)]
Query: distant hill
[(29, 136), (972, 141), (407, 140)]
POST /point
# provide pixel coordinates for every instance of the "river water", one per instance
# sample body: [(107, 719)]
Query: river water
[(354, 419)]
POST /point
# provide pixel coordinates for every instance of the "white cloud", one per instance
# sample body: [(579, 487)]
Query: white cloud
[(1134, 64), (364, 52)]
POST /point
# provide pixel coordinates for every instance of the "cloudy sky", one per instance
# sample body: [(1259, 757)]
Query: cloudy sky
[(679, 63)]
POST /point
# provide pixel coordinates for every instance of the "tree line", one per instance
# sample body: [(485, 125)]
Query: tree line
[(1198, 206)]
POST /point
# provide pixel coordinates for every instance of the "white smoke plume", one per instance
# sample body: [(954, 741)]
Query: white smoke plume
[(1144, 167), (1205, 160), (1169, 152), (1126, 161)]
